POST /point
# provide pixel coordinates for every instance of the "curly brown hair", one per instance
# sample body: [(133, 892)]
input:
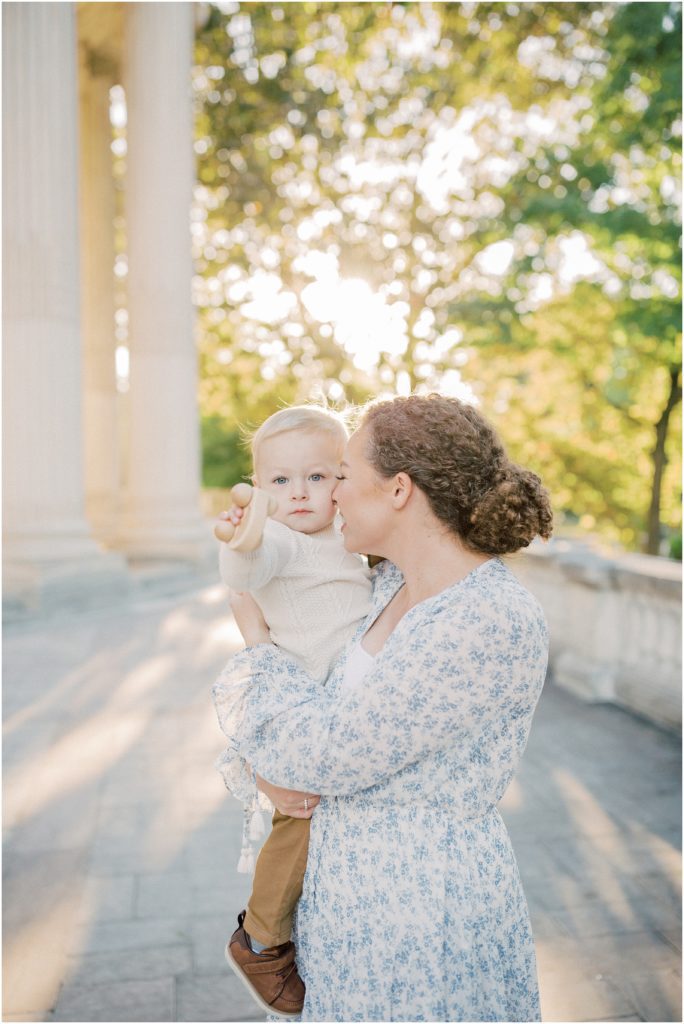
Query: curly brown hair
[(455, 457)]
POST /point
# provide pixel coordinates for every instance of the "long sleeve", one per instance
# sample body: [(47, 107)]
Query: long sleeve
[(252, 570), (451, 669)]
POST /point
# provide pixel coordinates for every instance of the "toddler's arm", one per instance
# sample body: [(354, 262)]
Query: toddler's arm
[(249, 570)]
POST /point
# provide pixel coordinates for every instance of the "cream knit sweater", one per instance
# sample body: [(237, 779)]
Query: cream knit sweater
[(312, 592)]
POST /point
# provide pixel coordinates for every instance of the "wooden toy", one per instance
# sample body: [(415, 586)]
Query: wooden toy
[(258, 505)]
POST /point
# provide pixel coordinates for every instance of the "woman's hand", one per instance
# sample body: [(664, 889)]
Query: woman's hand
[(289, 801), (249, 619)]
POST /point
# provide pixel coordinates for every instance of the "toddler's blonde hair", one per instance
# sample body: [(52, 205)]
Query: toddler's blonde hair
[(308, 418)]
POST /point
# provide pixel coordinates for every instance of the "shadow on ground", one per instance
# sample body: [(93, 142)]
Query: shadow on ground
[(121, 843)]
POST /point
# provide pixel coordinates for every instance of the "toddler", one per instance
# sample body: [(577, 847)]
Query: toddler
[(313, 595)]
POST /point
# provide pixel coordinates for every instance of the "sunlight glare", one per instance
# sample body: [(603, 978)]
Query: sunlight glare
[(117, 107), (441, 173), (364, 324), (269, 302), (403, 384), (496, 258), (452, 384), (577, 259)]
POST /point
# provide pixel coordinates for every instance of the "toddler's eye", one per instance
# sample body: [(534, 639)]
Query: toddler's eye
[(280, 480), (316, 477)]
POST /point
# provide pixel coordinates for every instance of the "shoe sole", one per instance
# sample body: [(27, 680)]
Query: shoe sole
[(253, 992)]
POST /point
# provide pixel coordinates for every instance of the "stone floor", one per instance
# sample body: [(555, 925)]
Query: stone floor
[(121, 843)]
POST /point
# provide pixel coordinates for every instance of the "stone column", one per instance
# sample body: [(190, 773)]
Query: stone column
[(49, 553), (162, 518), (98, 209)]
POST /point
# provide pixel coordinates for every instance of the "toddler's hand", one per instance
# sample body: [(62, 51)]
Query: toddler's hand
[(228, 521)]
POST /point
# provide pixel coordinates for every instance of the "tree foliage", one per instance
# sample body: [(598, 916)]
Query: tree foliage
[(478, 198)]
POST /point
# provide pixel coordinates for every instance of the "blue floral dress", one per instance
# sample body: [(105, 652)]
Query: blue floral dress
[(412, 906)]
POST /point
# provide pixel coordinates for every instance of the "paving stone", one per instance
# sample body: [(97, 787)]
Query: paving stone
[(34, 882), (129, 965), (563, 891), (616, 1020), (665, 889), (150, 846), (602, 917), (41, 897), (39, 1015), (673, 936), (107, 898), (209, 936), (130, 789), (112, 936), (544, 925), (164, 894), (234, 889), (594, 815), (635, 866), (119, 1001), (656, 995), (63, 824), (569, 996), (631, 953), (215, 997), (177, 893)]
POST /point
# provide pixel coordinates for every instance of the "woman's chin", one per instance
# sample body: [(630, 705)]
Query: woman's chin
[(348, 539)]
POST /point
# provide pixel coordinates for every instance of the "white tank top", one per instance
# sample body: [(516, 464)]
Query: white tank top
[(358, 664)]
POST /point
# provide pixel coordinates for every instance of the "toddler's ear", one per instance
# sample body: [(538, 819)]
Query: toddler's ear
[(254, 480)]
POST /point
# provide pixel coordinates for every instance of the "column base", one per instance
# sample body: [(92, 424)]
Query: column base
[(191, 542), (46, 580), (102, 515)]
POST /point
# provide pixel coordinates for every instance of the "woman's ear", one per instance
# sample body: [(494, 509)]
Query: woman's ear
[(402, 488)]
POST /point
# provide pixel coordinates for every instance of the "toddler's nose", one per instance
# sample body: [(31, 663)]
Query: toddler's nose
[(299, 490)]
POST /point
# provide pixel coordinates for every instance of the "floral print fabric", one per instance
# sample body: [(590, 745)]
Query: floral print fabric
[(412, 906)]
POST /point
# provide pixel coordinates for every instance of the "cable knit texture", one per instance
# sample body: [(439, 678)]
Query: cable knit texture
[(313, 594)]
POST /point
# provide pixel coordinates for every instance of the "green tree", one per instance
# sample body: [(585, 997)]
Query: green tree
[(618, 186), (401, 143)]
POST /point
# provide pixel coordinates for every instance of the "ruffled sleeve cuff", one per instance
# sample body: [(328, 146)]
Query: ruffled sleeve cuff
[(257, 684)]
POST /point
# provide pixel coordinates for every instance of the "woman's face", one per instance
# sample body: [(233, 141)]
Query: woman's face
[(362, 498)]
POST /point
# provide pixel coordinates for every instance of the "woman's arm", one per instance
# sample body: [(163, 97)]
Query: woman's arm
[(252, 624), (291, 802), (438, 684)]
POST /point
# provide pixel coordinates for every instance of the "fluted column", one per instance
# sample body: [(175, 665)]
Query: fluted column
[(48, 547), (162, 517), (97, 300)]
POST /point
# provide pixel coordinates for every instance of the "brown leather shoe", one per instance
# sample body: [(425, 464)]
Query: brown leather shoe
[(270, 976)]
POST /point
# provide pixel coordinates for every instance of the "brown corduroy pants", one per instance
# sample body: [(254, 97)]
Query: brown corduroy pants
[(278, 879)]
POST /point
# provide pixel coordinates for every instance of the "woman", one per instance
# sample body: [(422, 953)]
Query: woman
[(412, 906)]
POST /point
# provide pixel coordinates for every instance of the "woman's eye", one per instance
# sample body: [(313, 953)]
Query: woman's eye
[(340, 478)]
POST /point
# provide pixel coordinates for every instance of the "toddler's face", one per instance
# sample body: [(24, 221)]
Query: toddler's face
[(300, 469)]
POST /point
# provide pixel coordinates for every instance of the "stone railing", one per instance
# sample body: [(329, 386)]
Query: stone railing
[(615, 624)]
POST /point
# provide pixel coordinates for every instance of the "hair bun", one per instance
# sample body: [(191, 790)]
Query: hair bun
[(511, 513)]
